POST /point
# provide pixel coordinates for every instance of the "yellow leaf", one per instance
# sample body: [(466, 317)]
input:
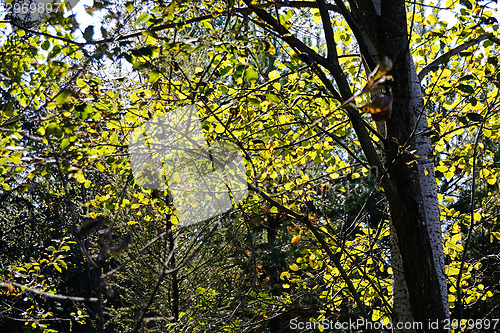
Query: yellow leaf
[(296, 239), (442, 168), (274, 75), (316, 15), (491, 180), (219, 129), (41, 131), (78, 55), (449, 174), (80, 177), (431, 19)]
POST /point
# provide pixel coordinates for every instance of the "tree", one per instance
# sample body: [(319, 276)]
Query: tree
[(354, 202)]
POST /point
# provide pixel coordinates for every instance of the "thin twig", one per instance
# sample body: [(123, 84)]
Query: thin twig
[(46, 294)]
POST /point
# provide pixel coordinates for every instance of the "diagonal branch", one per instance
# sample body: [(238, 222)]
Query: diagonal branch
[(300, 4), (46, 294), (363, 47), (293, 41), (163, 271), (322, 241), (116, 38), (333, 66), (446, 56)]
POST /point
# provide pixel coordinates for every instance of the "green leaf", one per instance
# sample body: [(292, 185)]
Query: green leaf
[(251, 74), (80, 83), (64, 143), (465, 88), (153, 76), (143, 51), (142, 18), (63, 96), (100, 167), (52, 128), (129, 7)]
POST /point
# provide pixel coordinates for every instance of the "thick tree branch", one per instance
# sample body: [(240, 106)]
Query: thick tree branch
[(300, 4), (363, 47), (446, 56), (288, 37), (328, 29), (333, 66)]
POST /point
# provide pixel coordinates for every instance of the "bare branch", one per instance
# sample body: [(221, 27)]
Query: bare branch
[(161, 275), (446, 56), (46, 294), (301, 4), (117, 38)]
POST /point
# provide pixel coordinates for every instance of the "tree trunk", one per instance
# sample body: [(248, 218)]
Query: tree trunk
[(410, 185), (401, 307), (414, 208)]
